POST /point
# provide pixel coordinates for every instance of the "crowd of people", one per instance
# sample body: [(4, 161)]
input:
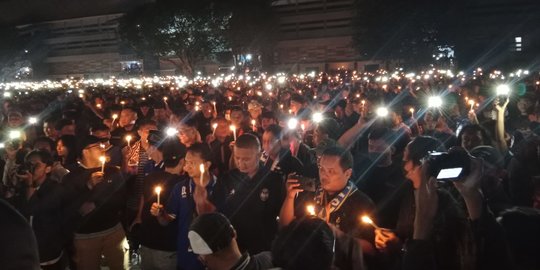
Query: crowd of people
[(342, 170)]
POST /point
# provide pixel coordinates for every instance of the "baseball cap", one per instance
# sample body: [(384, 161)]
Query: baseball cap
[(210, 233)]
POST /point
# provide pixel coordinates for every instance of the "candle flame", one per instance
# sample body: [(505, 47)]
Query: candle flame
[(232, 127), (201, 168), (102, 159), (311, 209), (157, 190), (367, 220)]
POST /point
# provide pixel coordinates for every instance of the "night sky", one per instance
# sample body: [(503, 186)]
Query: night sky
[(27, 11)]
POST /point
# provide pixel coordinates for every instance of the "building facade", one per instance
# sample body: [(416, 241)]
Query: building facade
[(316, 35), (84, 47)]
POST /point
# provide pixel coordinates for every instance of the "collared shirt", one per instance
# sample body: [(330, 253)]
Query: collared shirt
[(252, 206), (182, 205)]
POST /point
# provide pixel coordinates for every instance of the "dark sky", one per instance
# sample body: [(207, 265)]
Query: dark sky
[(26, 11)]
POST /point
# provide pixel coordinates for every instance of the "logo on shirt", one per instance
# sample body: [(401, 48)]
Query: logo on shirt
[(265, 193), (184, 192)]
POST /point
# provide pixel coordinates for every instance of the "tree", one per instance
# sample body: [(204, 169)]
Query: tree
[(10, 51), (252, 26), (400, 30), (189, 30)]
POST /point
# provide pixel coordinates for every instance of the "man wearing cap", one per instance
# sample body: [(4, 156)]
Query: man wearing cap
[(213, 238), (200, 193), (96, 199), (254, 196), (158, 243)]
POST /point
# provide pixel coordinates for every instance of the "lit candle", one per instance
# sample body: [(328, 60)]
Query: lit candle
[(369, 221), (214, 103), (128, 139), (303, 127), (412, 111), (158, 192), (201, 168), (254, 124), (233, 129), (98, 105), (103, 159), (471, 102), (165, 99), (214, 126), (114, 116), (310, 208)]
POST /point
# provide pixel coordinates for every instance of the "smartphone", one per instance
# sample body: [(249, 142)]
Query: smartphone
[(449, 174)]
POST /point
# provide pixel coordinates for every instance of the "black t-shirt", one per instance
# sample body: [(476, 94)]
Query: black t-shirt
[(109, 198), (152, 234), (379, 183), (253, 206), (221, 155)]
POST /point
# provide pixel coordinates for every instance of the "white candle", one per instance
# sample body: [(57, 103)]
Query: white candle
[(214, 126), (214, 103), (128, 139), (471, 102), (102, 159), (369, 221), (233, 128), (158, 192), (201, 168), (254, 124), (114, 116)]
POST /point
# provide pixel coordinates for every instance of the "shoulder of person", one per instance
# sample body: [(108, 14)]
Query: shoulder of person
[(361, 200)]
